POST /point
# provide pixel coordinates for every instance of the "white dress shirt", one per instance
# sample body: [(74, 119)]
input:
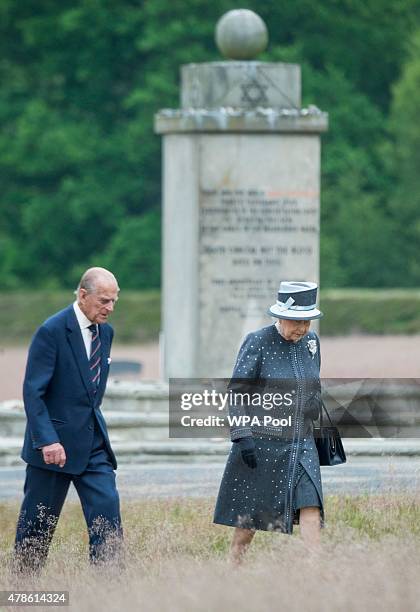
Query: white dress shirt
[(84, 324)]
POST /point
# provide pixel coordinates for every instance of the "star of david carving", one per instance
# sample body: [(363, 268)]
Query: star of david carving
[(253, 93)]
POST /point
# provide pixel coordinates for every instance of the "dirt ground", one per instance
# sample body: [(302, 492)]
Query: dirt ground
[(342, 357)]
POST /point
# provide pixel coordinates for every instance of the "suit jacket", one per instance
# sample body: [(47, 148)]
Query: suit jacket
[(58, 394)]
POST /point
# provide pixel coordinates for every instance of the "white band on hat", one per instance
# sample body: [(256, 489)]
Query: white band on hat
[(288, 305)]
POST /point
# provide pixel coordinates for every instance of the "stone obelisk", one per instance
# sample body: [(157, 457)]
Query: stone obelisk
[(241, 193)]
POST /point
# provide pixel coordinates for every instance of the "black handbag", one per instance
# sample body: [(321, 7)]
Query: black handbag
[(328, 442)]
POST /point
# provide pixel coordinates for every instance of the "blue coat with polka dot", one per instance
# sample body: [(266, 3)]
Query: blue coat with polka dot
[(267, 364)]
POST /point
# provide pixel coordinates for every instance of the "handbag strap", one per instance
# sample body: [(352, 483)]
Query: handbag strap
[(323, 406)]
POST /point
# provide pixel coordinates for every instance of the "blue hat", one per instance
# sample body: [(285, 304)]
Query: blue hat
[(296, 300)]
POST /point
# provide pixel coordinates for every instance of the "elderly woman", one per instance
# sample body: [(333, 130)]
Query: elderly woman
[(272, 478)]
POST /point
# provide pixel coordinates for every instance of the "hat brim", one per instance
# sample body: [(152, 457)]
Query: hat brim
[(294, 315)]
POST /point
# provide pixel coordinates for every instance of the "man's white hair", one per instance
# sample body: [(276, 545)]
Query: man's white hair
[(92, 277)]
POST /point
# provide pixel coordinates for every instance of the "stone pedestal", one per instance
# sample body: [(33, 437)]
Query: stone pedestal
[(241, 167), (137, 418)]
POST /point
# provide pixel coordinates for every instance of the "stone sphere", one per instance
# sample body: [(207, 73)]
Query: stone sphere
[(241, 34)]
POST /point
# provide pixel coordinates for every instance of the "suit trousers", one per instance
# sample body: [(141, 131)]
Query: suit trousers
[(44, 495)]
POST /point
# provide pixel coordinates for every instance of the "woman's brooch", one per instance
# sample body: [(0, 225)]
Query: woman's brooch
[(312, 347)]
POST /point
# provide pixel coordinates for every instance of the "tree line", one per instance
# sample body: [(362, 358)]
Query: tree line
[(80, 166)]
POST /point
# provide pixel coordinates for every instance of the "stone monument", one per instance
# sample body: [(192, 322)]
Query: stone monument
[(241, 183), (241, 212)]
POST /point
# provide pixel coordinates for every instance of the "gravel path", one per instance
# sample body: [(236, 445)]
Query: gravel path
[(147, 481)]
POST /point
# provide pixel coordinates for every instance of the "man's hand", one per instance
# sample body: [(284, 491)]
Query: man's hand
[(54, 453)]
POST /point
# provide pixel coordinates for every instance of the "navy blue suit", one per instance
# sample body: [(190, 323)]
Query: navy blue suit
[(63, 405)]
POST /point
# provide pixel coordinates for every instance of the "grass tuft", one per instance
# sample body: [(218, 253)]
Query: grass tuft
[(176, 560)]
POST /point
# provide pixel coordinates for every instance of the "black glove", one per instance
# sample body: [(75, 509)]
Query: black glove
[(248, 451)]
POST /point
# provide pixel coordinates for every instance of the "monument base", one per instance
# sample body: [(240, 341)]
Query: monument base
[(137, 418)]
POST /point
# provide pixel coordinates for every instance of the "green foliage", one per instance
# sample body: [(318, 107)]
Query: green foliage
[(356, 224), (136, 317), (80, 164), (405, 128), (348, 311), (131, 253)]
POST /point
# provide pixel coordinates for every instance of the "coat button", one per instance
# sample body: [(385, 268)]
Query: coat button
[(90, 427)]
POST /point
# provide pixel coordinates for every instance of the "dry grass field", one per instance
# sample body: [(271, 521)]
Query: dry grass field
[(176, 560)]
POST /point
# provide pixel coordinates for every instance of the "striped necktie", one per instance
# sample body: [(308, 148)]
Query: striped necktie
[(95, 356)]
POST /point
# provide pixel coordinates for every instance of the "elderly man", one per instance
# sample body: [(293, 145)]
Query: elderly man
[(66, 438)]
